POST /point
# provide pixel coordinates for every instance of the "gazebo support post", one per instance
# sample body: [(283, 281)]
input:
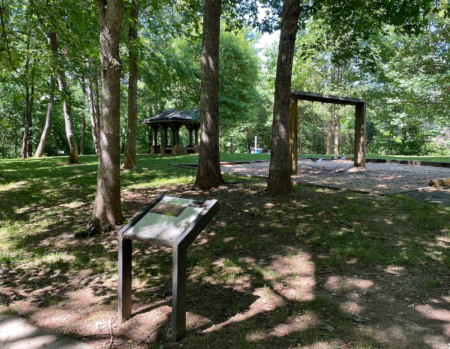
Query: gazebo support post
[(360, 135), (293, 133), (176, 147), (155, 148), (190, 137)]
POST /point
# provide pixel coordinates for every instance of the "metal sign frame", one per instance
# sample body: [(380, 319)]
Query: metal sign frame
[(179, 250)]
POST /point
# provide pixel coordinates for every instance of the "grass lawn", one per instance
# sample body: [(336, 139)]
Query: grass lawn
[(312, 269)]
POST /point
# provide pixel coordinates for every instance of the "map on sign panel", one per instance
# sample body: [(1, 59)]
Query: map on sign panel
[(165, 222)]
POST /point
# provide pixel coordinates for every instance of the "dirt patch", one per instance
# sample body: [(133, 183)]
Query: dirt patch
[(314, 269)]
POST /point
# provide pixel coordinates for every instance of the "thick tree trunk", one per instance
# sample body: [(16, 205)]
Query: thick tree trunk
[(68, 120), (329, 135), (130, 155), (208, 174), (94, 109), (107, 209), (280, 165), (48, 120)]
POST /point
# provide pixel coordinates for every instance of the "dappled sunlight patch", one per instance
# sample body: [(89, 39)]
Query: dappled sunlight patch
[(294, 325), (393, 335), (13, 186), (433, 313), (394, 270), (351, 307)]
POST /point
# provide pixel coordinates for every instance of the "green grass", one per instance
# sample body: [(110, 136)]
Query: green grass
[(257, 247)]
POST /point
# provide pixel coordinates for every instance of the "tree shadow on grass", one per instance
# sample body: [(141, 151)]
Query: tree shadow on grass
[(267, 272)]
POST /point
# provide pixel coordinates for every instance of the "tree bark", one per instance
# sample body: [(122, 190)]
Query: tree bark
[(130, 155), (30, 114), (208, 174), (26, 132), (68, 120), (94, 109), (280, 166), (48, 120), (329, 135), (83, 134), (107, 209), (337, 127)]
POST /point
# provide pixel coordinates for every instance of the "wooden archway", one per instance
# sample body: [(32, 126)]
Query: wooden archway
[(360, 123)]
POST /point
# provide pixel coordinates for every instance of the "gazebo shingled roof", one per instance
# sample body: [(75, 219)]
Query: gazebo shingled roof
[(173, 115), (174, 119)]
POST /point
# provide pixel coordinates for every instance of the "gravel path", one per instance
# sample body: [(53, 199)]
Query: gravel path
[(380, 178)]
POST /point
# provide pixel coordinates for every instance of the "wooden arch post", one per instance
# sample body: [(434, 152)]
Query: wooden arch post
[(360, 124), (293, 133), (360, 135)]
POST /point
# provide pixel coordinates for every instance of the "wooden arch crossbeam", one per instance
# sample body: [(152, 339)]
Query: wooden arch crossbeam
[(360, 123)]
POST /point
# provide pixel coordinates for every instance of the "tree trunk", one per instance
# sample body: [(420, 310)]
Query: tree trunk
[(208, 174), (247, 136), (51, 103), (337, 127), (107, 210), (48, 120), (329, 135), (94, 111), (130, 155), (30, 114), (68, 120), (26, 132), (280, 165), (83, 133)]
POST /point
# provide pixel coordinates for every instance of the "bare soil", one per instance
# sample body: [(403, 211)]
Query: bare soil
[(259, 277)]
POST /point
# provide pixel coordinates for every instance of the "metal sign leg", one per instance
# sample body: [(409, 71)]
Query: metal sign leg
[(179, 293), (124, 293)]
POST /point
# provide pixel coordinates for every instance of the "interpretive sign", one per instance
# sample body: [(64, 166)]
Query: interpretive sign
[(169, 221)]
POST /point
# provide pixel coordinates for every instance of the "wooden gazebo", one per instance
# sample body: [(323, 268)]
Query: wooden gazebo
[(174, 120), (360, 123)]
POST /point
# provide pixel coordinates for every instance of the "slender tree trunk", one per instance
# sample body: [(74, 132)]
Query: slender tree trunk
[(26, 131), (68, 120), (280, 165), (247, 136), (130, 155), (208, 174), (83, 134), (124, 132), (329, 135), (51, 103), (337, 127), (48, 120), (30, 114), (107, 209), (94, 109)]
